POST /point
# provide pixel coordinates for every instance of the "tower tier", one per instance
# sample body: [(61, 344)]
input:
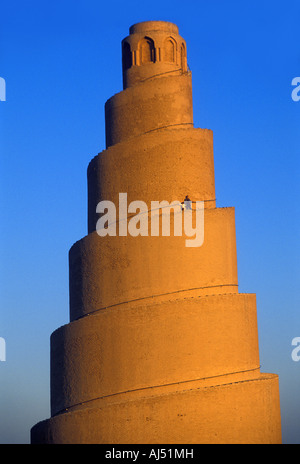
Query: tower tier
[(154, 344), (106, 271), (240, 411), (161, 165), (151, 105)]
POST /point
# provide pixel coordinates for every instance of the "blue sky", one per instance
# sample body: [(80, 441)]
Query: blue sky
[(61, 61)]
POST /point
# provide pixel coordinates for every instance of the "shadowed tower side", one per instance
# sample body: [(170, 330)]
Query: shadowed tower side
[(161, 347)]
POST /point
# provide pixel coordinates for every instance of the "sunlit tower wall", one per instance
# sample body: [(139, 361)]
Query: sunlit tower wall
[(161, 347)]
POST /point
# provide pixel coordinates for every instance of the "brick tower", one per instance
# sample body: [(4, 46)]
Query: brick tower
[(160, 347)]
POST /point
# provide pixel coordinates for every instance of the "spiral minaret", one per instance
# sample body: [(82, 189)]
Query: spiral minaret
[(161, 347)]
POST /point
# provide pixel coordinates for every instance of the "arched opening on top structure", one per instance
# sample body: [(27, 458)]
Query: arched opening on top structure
[(170, 50), (126, 56), (147, 51), (183, 58)]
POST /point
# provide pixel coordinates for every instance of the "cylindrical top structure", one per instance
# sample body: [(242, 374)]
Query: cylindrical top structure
[(153, 49), (145, 26)]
